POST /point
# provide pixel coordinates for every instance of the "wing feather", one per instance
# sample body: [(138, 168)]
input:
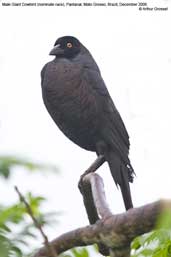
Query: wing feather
[(113, 128)]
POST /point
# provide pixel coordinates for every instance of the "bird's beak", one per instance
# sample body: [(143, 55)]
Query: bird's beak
[(57, 50)]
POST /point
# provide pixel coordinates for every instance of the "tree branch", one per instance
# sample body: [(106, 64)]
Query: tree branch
[(112, 233), (116, 231), (98, 194), (49, 247), (88, 184)]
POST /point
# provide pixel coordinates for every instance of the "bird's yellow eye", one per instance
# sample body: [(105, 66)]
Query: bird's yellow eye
[(69, 45)]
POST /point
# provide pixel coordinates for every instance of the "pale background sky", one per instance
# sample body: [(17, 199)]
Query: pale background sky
[(132, 49)]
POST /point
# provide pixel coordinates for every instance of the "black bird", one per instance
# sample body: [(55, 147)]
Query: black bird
[(78, 101)]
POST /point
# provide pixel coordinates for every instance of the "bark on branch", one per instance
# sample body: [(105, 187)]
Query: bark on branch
[(116, 231)]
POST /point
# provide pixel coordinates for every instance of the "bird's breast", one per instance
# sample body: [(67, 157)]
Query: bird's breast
[(64, 88), (71, 103)]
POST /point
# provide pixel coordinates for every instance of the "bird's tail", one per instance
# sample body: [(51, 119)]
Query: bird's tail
[(122, 175)]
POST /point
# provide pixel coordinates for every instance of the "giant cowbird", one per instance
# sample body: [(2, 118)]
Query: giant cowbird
[(78, 101)]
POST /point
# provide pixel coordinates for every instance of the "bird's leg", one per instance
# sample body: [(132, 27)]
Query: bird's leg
[(94, 166)]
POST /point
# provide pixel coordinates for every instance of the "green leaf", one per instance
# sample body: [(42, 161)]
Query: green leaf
[(164, 220), (147, 252), (17, 251), (13, 213), (136, 243), (80, 252)]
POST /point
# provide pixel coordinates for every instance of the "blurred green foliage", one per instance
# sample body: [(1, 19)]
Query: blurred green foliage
[(16, 229), (7, 162), (156, 243), (77, 252)]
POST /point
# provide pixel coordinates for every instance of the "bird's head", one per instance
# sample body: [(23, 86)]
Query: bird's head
[(67, 47)]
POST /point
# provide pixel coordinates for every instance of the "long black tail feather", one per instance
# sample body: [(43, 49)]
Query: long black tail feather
[(122, 175)]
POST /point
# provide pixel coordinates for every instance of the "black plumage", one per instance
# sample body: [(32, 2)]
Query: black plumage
[(78, 101)]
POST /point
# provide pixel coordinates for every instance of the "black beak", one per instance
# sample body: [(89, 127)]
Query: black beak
[(57, 50)]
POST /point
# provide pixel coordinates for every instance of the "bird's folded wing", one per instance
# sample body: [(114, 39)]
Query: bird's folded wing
[(114, 129)]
